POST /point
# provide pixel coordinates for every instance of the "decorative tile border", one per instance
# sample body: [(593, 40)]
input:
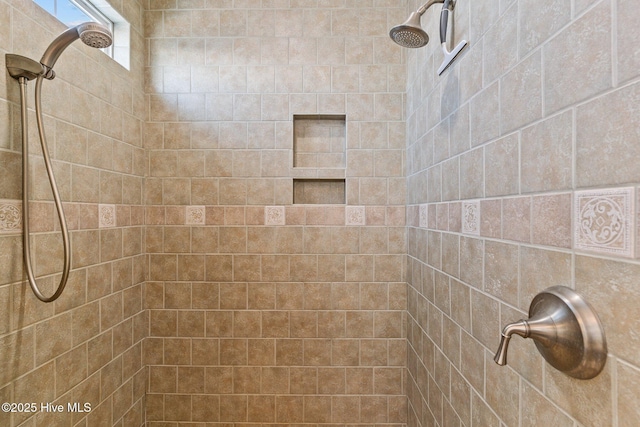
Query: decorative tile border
[(355, 215), (274, 215), (195, 215), (471, 218), (10, 216), (106, 216), (604, 221)]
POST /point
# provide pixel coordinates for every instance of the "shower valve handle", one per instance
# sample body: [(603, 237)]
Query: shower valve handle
[(541, 328), (566, 331)]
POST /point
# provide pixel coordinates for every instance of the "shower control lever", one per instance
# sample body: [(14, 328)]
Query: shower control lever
[(566, 331)]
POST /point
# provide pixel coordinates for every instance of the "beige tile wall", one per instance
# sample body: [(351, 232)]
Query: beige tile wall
[(307, 320), (87, 346), (270, 312), (522, 174)]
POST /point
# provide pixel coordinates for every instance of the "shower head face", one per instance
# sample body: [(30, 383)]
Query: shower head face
[(410, 34), (95, 35), (409, 37)]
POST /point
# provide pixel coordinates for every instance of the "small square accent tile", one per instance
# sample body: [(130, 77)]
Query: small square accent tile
[(195, 215), (355, 215), (274, 215), (471, 218), (10, 216), (107, 216), (424, 216), (604, 221)]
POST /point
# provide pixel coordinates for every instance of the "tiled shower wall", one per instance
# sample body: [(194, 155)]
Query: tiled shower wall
[(262, 311), (523, 174), (87, 346)]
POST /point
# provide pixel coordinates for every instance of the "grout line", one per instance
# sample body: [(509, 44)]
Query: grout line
[(614, 43)]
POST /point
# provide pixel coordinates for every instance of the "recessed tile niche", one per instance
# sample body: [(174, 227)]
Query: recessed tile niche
[(319, 159), (319, 141), (319, 191)]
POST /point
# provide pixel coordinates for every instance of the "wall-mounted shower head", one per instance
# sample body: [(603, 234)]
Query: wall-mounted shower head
[(92, 34), (410, 33)]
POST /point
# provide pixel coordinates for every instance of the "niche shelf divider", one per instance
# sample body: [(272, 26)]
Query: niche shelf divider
[(319, 159)]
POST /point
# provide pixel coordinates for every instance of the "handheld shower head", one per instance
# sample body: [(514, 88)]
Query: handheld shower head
[(410, 34), (92, 34)]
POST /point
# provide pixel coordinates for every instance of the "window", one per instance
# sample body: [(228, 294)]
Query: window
[(74, 12)]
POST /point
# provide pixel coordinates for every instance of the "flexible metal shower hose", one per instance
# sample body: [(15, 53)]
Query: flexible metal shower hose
[(25, 192)]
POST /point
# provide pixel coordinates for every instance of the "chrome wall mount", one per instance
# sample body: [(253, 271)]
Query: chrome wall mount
[(566, 331)]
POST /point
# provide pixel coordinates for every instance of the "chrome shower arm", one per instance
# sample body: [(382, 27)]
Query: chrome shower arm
[(427, 5)]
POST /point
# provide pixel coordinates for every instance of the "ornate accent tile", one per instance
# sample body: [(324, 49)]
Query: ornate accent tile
[(424, 216), (471, 218), (355, 215), (195, 215), (10, 216), (106, 216), (604, 221), (274, 215)]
